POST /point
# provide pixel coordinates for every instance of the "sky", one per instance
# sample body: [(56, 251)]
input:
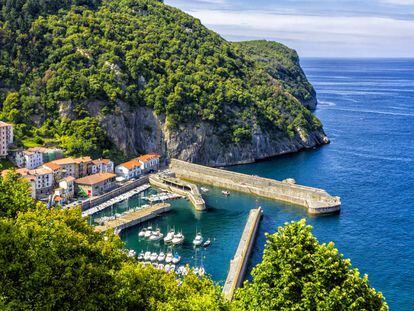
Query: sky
[(315, 28)]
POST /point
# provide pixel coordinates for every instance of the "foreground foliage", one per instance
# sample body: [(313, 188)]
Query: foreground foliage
[(298, 273)]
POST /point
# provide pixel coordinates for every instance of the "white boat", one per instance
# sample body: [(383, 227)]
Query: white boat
[(198, 240), (141, 256), (161, 266), (172, 268), (169, 257), (153, 256), (131, 253), (169, 237), (156, 235), (204, 189), (141, 234), (161, 257), (148, 233), (147, 256), (178, 239), (226, 193), (201, 271), (207, 243), (176, 259), (182, 270), (167, 267)]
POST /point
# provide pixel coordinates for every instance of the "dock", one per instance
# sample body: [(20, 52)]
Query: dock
[(316, 201), (133, 218), (115, 200), (167, 181), (239, 263)]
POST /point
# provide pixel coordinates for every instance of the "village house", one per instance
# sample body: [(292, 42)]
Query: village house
[(48, 154), (56, 170), (65, 191), (95, 185), (69, 167), (101, 166), (41, 179), (149, 162), (32, 159), (83, 164), (6, 138), (128, 170), (16, 156)]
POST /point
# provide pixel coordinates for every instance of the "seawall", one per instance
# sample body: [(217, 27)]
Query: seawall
[(316, 201), (238, 264)]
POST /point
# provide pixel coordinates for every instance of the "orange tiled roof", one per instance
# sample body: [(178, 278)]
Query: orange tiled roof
[(131, 164), (64, 161), (69, 178), (4, 124), (53, 166), (148, 157), (94, 179)]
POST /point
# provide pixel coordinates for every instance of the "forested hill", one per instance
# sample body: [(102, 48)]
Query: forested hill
[(97, 77)]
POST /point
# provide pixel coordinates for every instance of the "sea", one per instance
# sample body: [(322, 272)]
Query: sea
[(367, 109)]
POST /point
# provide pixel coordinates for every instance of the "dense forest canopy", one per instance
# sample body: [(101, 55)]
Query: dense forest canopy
[(57, 57)]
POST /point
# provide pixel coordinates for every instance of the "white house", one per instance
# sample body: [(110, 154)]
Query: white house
[(41, 179), (149, 162), (128, 170), (68, 186), (101, 166), (32, 159)]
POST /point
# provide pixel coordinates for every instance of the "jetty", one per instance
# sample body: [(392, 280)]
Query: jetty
[(117, 199), (133, 218), (316, 201), (166, 180), (238, 264)]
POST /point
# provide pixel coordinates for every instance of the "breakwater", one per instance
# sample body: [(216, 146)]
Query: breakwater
[(169, 183), (132, 219), (317, 201), (239, 263)]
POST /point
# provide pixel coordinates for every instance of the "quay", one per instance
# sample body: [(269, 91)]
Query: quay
[(317, 201), (133, 218), (117, 199), (239, 263), (167, 181)]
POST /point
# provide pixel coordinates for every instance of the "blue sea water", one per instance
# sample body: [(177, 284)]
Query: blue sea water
[(367, 108)]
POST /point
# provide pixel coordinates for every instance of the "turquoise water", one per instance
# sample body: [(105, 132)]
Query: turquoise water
[(367, 109)]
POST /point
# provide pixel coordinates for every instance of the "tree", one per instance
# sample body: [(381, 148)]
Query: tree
[(298, 273), (14, 195)]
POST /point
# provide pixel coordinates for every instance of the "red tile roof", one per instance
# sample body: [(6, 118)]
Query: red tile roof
[(148, 157), (94, 179), (131, 164)]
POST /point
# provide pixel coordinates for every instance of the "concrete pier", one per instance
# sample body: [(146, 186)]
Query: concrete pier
[(134, 218), (239, 263), (170, 183), (316, 201)]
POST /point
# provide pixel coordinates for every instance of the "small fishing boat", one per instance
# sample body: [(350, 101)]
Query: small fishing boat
[(198, 240), (207, 243), (141, 255), (178, 239), (131, 253), (161, 257), (148, 232), (156, 235), (204, 189), (141, 234), (154, 256), (226, 193), (147, 256), (176, 259), (161, 266), (169, 257), (169, 237)]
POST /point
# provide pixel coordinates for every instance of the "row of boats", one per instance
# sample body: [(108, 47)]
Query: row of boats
[(172, 237)]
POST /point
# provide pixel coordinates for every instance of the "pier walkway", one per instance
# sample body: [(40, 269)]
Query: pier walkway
[(134, 218), (168, 182), (115, 200), (317, 201), (239, 263)]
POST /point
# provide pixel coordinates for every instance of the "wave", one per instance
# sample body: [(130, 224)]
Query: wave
[(323, 103), (364, 154), (375, 112)]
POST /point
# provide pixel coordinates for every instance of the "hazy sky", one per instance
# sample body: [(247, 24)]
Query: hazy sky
[(325, 28)]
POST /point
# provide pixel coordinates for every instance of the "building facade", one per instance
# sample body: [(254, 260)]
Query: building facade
[(32, 159), (95, 185), (128, 170), (6, 138), (149, 162)]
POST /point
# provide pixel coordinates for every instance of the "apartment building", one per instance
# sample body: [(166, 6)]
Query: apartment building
[(6, 138)]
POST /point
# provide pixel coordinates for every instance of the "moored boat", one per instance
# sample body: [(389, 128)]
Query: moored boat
[(153, 256), (169, 257), (161, 257), (178, 239), (169, 237), (226, 193), (176, 259), (141, 234), (207, 243), (147, 256), (198, 240)]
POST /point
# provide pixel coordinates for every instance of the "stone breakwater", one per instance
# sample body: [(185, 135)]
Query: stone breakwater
[(316, 201), (238, 264)]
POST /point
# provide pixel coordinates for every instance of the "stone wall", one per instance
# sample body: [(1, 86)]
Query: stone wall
[(317, 201)]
